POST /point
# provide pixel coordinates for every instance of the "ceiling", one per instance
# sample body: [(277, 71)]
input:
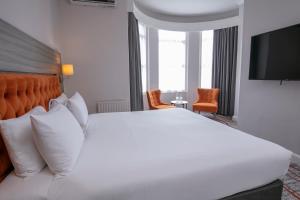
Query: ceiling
[(189, 8)]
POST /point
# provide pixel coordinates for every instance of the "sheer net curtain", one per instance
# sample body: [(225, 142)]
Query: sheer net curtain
[(135, 71), (224, 67)]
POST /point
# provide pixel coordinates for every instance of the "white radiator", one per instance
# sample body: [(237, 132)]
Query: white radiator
[(114, 105)]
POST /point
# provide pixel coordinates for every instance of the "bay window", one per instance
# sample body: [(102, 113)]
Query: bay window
[(172, 61), (164, 60)]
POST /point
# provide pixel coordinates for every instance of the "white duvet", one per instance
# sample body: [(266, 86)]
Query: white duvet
[(158, 155)]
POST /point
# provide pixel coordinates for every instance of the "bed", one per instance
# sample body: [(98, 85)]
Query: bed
[(153, 155), (167, 154)]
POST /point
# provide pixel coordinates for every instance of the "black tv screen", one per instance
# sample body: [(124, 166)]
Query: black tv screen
[(276, 55)]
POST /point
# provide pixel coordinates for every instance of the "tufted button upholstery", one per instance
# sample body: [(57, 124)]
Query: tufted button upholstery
[(155, 102), (207, 100), (19, 93)]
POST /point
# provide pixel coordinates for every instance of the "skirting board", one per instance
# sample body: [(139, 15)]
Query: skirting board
[(235, 118), (296, 158)]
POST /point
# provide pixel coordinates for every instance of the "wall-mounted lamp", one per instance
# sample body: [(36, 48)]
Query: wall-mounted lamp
[(67, 70)]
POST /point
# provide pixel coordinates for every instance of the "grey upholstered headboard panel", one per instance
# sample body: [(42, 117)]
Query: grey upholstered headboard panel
[(20, 52)]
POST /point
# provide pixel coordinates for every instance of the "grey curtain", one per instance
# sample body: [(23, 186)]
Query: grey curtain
[(136, 89), (224, 68)]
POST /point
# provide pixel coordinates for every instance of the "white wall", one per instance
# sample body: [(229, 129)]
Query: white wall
[(267, 109), (238, 64), (95, 40), (38, 18)]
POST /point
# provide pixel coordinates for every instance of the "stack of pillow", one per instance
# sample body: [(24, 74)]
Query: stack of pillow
[(54, 138)]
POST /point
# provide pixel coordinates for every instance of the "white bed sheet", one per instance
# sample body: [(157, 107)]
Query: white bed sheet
[(158, 155)]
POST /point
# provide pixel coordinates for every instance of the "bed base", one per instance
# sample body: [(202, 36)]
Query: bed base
[(272, 191)]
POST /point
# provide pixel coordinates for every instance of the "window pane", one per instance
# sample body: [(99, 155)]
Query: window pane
[(172, 53), (143, 49), (206, 58)]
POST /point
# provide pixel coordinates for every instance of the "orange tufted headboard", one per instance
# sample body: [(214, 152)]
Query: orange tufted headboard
[(19, 93)]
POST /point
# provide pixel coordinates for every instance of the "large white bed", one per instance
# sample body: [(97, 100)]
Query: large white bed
[(169, 154)]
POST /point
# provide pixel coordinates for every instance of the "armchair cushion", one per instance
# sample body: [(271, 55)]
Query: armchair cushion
[(205, 107), (164, 106), (207, 100), (155, 102)]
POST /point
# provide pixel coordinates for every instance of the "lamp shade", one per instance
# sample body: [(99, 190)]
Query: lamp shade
[(68, 69)]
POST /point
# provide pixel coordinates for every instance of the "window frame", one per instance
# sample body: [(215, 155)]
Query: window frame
[(186, 42), (152, 61), (201, 59), (147, 56)]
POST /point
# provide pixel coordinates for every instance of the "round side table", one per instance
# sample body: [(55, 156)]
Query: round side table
[(182, 103)]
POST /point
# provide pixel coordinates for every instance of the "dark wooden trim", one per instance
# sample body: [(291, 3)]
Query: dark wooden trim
[(20, 52)]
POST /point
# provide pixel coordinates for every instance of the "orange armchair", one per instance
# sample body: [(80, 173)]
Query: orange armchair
[(207, 100), (154, 100)]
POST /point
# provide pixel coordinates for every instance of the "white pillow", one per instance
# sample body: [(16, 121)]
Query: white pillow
[(58, 137), (62, 99), (17, 134), (77, 106)]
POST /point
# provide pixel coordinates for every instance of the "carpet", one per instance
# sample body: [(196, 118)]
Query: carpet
[(222, 119), (291, 187)]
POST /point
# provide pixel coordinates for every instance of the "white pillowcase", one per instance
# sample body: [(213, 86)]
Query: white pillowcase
[(17, 134), (77, 106), (62, 99), (58, 137)]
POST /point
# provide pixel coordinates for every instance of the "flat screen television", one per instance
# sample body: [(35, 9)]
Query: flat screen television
[(276, 55)]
